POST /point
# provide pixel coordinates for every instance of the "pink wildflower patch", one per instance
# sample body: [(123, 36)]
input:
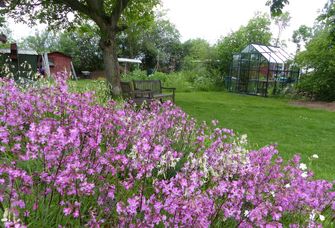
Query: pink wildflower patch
[(104, 165)]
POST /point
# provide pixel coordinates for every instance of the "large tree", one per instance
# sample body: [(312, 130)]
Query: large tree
[(160, 46), (111, 17)]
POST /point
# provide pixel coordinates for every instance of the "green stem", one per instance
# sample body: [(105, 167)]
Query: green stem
[(2, 207)]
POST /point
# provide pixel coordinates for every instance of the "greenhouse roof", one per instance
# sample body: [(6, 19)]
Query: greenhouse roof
[(271, 53)]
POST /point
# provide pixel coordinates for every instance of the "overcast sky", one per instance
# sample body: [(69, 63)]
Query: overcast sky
[(211, 19)]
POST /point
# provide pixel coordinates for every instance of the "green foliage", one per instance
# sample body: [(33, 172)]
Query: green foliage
[(276, 6), (5, 30), (157, 44), (302, 35), (183, 81), (98, 87), (201, 59), (41, 42), (55, 12), (135, 75), (179, 80), (161, 46), (197, 53), (319, 59), (83, 46), (256, 31), (327, 19)]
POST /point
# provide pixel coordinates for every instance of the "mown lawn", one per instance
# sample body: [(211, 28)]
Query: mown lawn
[(264, 120), (268, 120)]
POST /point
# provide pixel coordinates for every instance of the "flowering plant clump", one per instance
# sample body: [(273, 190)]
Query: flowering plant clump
[(68, 161)]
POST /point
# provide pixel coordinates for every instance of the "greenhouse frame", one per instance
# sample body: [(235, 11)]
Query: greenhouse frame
[(261, 70)]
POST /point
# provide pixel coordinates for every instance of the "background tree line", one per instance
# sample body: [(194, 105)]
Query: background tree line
[(157, 44)]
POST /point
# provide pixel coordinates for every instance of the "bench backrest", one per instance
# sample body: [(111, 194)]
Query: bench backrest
[(153, 85), (126, 89)]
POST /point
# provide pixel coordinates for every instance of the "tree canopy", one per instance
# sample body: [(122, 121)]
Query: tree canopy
[(318, 58)]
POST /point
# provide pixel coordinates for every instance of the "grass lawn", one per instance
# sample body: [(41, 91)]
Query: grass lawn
[(265, 121), (268, 120)]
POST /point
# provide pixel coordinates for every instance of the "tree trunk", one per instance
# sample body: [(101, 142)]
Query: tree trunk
[(111, 63)]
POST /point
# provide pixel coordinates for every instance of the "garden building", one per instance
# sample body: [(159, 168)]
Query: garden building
[(59, 62), (261, 70), (19, 62)]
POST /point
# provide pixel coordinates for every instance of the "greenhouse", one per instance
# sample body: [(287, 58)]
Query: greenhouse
[(261, 70)]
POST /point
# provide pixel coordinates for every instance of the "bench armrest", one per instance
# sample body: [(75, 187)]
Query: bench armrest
[(171, 88), (173, 92)]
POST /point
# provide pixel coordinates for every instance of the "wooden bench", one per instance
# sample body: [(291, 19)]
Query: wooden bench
[(145, 90), (154, 89), (137, 96)]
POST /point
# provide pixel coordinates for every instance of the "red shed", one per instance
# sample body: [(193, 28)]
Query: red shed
[(59, 62)]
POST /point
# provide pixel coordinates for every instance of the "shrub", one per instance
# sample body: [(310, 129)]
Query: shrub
[(184, 81), (318, 86), (68, 161), (135, 75), (101, 93), (319, 57)]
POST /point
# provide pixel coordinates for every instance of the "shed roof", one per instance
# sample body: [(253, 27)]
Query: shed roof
[(270, 53), (20, 51), (60, 53)]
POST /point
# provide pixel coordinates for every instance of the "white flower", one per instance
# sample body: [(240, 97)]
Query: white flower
[(287, 185), (302, 166), (5, 215), (315, 156), (304, 174), (244, 139), (246, 213), (273, 193), (322, 218), (312, 215)]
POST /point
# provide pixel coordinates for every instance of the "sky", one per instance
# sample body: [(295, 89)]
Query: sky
[(212, 19)]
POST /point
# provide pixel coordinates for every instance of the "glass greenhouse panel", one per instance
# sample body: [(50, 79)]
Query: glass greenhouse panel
[(261, 70)]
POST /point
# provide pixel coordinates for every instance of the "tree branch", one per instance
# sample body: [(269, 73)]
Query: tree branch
[(118, 8), (75, 5), (96, 5), (92, 10)]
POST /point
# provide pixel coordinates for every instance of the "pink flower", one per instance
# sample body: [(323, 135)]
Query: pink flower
[(67, 211)]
